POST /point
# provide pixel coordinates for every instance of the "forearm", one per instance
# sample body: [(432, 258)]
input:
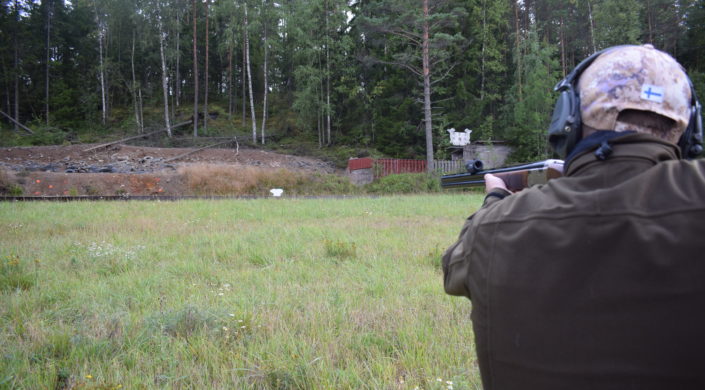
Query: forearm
[(458, 257)]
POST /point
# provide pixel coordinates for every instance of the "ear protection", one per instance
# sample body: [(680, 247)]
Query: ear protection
[(565, 130)]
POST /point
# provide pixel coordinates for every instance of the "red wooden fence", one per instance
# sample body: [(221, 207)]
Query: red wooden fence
[(360, 163), (388, 166)]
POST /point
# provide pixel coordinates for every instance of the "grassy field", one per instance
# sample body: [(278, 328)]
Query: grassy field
[(270, 294)]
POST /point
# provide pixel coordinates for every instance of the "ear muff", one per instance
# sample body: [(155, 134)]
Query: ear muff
[(565, 129), (691, 142), (566, 125)]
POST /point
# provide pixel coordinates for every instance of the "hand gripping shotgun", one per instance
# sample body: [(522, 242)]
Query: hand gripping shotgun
[(517, 177)]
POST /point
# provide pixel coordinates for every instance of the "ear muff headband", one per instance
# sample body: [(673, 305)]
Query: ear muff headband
[(565, 130), (691, 142)]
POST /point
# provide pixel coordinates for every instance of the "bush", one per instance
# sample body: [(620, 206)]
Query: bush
[(7, 187)]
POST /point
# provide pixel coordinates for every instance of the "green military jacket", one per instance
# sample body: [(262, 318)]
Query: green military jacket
[(595, 280)]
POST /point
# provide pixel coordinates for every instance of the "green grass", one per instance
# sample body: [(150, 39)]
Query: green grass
[(269, 294)]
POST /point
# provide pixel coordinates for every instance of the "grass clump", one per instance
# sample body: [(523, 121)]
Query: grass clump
[(340, 250), (13, 275)]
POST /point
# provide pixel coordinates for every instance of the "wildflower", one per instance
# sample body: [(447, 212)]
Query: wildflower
[(449, 382), (231, 315), (225, 328), (439, 379), (243, 327), (220, 294), (89, 376)]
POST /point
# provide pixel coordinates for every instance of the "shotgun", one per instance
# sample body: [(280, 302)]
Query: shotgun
[(517, 177)]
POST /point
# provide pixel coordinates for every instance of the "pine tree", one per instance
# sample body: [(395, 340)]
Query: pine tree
[(420, 44)]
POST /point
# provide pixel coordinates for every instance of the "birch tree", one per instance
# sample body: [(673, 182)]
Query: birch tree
[(249, 74), (102, 27)]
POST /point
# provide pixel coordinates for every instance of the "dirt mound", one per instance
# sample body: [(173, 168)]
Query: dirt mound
[(132, 170)]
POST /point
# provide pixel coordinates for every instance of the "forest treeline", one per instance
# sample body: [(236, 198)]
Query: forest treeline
[(390, 75)]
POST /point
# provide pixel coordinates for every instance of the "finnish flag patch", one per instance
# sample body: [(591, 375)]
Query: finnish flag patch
[(652, 93)]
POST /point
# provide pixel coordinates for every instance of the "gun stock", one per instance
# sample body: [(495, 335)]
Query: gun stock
[(516, 177)]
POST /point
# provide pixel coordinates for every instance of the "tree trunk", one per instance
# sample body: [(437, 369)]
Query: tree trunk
[(17, 65), (230, 81), (249, 80), (266, 87), (205, 82), (101, 35), (177, 82), (650, 19), (141, 107), (195, 73), (140, 128), (165, 86), (484, 43), (427, 88), (328, 142), (518, 53), (563, 59), (244, 86), (50, 7), (592, 27), (321, 109)]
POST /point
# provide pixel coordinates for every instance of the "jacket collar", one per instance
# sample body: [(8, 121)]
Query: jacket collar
[(619, 146)]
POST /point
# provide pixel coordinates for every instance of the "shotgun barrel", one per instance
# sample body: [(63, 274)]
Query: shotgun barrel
[(517, 177)]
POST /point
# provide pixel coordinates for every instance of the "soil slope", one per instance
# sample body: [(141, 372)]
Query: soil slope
[(129, 170)]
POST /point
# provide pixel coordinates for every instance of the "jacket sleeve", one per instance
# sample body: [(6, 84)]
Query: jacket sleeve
[(458, 257)]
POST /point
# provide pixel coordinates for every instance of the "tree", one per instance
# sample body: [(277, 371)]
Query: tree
[(421, 45), (249, 74), (205, 83), (195, 71), (49, 12), (617, 22), (531, 108), (102, 27)]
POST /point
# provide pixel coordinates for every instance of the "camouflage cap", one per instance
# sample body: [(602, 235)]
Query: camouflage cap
[(634, 78)]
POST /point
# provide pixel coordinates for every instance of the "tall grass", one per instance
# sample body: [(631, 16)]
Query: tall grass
[(264, 294), (210, 179)]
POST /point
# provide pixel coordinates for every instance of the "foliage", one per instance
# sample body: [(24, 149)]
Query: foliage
[(531, 109), (618, 21), (337, 73)]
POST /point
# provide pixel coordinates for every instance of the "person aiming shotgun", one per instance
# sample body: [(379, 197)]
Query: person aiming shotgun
[(596, 280)]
